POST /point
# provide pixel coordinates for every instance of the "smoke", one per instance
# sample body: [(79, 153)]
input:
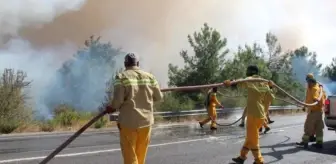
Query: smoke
[(50, 32), (301, 66), (16, 14)]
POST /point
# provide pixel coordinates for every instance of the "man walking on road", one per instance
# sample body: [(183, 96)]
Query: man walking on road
[(255, 114), (314, 121), (210, 103), (135, 91), (267, 103)]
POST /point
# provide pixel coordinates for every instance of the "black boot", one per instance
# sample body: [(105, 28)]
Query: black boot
[(242, 125), (266, 130), (304, 144), (200, 124), (318, 145), (213, 128), (270, 121), (238, 160)]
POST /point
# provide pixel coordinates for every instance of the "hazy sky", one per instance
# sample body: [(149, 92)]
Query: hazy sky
[(157, 29)]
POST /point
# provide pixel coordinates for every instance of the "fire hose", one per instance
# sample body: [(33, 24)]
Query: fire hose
[(185, 88)]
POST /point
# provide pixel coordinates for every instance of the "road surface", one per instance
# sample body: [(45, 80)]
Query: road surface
[(178, 144)]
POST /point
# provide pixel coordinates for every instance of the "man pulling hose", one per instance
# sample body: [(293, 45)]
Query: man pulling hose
[(210, 104), (314, 121), (134, 93), (255, 114)]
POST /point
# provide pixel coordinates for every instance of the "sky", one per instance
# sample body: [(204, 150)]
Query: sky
[(157, 29)]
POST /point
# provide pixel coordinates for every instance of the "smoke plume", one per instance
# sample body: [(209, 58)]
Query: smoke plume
[(301, 66), (42, 35)]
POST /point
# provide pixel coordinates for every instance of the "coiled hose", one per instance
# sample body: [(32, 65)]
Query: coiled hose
[(185, 88)]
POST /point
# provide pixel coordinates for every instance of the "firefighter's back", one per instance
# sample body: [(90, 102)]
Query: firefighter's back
[(140, 89)]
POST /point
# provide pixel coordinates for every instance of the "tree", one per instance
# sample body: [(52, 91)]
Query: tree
[(13, 109), (206, 65), (330, 70), (81, 81)]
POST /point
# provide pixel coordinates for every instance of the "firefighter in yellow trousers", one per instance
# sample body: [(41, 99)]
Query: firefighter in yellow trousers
[(255, 114), (267, 103), (134, 93), (314, 122), (210, 103)]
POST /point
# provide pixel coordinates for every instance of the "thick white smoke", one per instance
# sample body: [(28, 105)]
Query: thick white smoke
[(156, 29), (16, 14)]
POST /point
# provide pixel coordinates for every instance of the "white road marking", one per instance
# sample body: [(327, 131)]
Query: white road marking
[(115, 150)]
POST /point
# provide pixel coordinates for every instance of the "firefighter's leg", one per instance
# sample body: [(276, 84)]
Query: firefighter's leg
[(213, 119), (142, 144), (128, 141), (267, 128), (205, 121), (319, 126), (269, 121), (252, 140), (308, 130)]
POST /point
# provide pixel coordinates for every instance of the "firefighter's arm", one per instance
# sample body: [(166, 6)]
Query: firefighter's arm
[(235, 85), (118, 94), (157, 94)]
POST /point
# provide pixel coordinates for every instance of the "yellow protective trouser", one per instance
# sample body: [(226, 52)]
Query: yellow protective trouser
[(252, 139), (212, 116), (265, 124), (134, 144), (267, 111), (314, 125)]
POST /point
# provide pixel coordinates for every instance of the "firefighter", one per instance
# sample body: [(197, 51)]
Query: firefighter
[(210, 103), (314, 120), (267, 103), (255, 114), (134, 93)]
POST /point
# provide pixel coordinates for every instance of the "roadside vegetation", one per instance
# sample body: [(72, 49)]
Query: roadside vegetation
[(209, 61)]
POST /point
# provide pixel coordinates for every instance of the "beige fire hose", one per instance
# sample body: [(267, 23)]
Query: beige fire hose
[(185, 88)]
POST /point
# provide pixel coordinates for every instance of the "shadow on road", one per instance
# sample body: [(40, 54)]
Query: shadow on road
[(329, 149)]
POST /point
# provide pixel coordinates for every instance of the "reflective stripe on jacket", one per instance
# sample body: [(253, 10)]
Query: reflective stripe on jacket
[(135, 92)]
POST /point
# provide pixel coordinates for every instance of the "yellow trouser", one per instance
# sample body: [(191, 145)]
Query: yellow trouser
[(252, 139), (314, 124), (265, 124), (134, 144), (267, 111), (212, 116)]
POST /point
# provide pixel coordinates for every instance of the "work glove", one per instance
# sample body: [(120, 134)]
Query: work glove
[(109, 109), (270, 83), (227, 83)]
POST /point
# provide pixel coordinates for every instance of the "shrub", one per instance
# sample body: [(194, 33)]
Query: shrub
[(171, 103), (66, 115), (100, 123), (13, 111), (48, 126)]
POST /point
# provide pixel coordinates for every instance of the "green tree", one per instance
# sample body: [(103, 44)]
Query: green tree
[(330, 70), (205, 65)]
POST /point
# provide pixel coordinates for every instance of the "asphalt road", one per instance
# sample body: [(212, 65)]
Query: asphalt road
[(178, 144)]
